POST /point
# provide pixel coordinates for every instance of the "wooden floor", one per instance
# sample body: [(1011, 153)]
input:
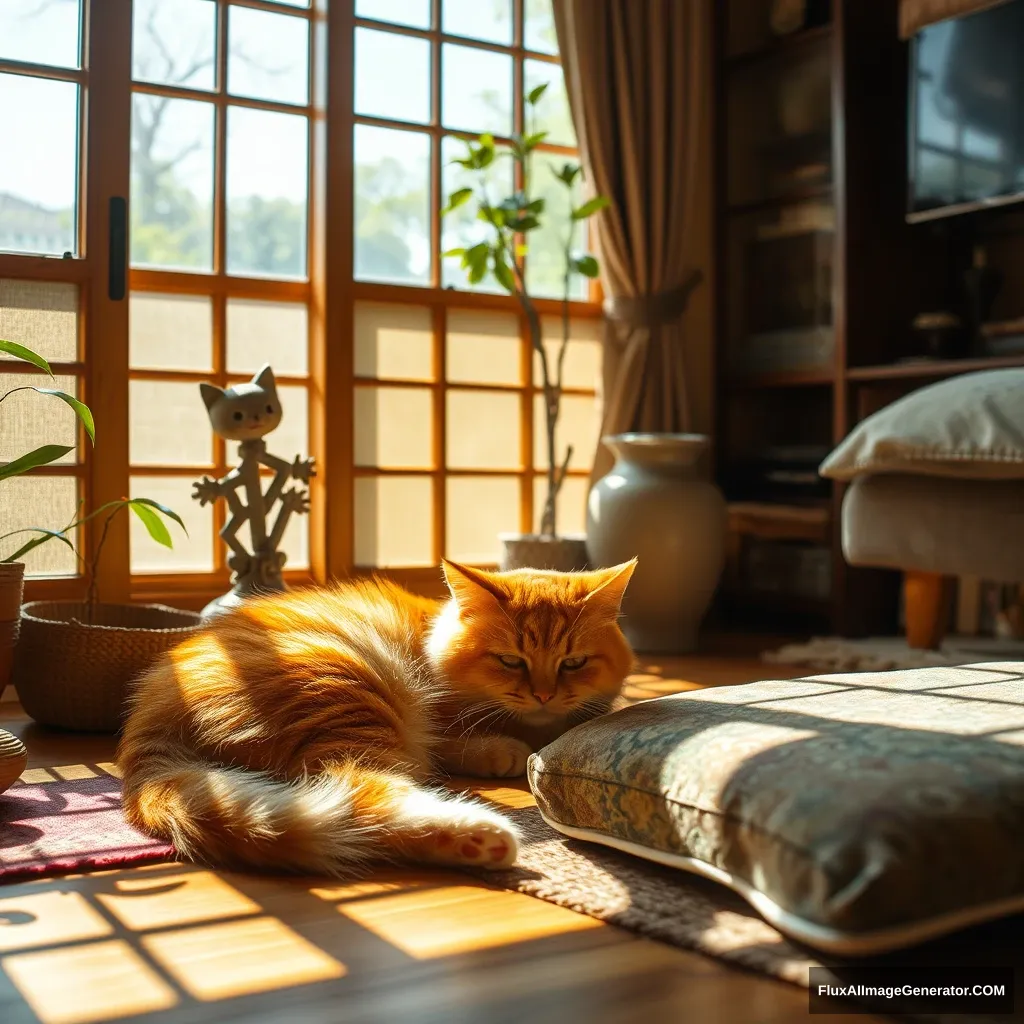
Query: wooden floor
[(177, 943)]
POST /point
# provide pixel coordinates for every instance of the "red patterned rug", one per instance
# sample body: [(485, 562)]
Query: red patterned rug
[(59, 825)]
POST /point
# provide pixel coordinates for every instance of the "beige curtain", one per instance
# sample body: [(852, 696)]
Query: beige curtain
[(634, 72), (915, 14)]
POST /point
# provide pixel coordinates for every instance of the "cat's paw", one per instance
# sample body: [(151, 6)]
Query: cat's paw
[(484, 844), (501, 757)]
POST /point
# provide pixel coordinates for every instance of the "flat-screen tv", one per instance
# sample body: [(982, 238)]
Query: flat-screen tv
[(967, 113)]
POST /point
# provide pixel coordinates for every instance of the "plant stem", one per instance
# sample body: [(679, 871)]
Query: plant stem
[(90, 597)]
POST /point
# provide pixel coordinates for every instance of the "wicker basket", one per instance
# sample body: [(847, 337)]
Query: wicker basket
[(13, 758), (73, 670)]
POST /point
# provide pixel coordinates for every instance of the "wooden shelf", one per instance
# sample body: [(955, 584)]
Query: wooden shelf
[(781, 379), (779, 47), (932, 370), (781, 522), (766, 602), (791, 198)]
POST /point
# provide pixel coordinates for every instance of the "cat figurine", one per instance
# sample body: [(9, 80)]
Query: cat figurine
[(247, 413), (308, 731)]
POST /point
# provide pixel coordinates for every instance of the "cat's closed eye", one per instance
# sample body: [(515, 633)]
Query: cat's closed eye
[(511, 661), (572, 664)]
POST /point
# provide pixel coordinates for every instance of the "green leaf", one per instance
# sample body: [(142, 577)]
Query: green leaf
[(81, 409), (567, 175), (457, 199), (486, 140), (537, 206), (493, 215), (477, 272), (453, 252), (502, 273), (170, 513), (586, 265), (40, 457), (535, 94), (12, 348), (524, 224), (522, 249), (155, 526), (36, 541), (590, 207), (531, 141), (477, 254)]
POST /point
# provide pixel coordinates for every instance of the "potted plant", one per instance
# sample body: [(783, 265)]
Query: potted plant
[(74, 661), (12, 569), (510, 221)]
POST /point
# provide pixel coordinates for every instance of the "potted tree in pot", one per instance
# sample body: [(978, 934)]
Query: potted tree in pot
[(510, 221), (74, 661)]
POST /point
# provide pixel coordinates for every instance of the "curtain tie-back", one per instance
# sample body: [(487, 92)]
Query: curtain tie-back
[(653, 310)]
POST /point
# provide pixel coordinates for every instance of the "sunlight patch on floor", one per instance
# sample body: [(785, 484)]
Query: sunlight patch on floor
[(461, 919), (141, 904), (223, 961), (84, 984), (48, 918)]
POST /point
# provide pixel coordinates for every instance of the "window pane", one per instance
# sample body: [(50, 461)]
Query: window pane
[(392, 205), (539, 26), (193, 553), (292, 437), (551, 114), (394, 521), (170, 332), (394, 428), (39, 189), (483, 430), (392, 76), (268, 332), (415, 13), (461, 228), (476, 90), (168, 425), (395, 342), (268, 55), (545, 262), (484, 348), (42, 316), (29, 420), (491, 21), (571, 510), (478, 509), (582, 367), (46, 501), (172, 183), (577, 425), (295, 543), (174, 42), (40, 33), (268, 163)]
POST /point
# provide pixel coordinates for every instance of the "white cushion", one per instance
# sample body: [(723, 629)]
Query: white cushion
[(969, 426)]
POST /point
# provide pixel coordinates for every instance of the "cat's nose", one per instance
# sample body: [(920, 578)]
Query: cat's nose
[(544, 697)]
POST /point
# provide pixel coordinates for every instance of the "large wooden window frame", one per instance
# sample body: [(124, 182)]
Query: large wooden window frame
[(330, 292)]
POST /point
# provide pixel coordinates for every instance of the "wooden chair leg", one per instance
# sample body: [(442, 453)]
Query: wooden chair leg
[(927, 601)]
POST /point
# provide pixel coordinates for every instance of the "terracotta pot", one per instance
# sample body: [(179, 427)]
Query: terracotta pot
[(74, 666), (12, 587), (652, 506), (535, 551)]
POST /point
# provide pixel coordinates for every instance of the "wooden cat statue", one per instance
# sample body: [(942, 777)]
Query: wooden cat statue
[(247, 413)]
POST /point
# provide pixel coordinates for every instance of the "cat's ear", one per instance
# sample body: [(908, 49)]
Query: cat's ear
[(609, 585), (471, 587), (265, 379), (211, 395)]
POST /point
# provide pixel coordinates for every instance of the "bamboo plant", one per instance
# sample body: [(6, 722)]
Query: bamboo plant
[(148, 511), (511, 221)]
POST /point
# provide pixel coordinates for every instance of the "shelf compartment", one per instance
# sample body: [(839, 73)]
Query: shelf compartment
[(780, 47), (769, 521)]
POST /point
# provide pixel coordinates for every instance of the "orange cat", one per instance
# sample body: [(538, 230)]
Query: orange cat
[(300, 731)]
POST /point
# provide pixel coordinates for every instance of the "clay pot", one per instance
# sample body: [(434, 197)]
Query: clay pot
[(12, 587), (535, 551), (652, 506)]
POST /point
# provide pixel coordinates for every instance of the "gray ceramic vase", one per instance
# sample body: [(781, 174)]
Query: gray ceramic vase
[(652, 506)]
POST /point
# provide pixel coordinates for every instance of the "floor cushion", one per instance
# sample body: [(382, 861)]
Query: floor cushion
[(858, 813)]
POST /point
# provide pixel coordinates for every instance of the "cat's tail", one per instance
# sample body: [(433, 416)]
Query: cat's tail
[(332, 823)]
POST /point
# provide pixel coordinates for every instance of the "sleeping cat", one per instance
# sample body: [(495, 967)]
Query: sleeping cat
[(302, 730)]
